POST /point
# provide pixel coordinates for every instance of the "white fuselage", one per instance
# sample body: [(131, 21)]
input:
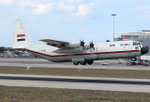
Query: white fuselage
[(108, 50), (78, 53)]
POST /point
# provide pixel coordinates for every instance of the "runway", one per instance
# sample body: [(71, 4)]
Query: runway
[(88, 83), (37, 62), (94, 83)]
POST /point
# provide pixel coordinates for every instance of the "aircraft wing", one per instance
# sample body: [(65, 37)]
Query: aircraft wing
[(55, 43)]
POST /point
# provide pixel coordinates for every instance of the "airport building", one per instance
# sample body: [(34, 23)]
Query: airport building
[(143, 36)]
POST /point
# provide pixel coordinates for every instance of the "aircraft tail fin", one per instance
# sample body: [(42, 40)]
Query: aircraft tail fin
[(21, 39)]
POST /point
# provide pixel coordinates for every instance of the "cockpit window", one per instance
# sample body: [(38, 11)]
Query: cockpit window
[(140, 45), (135, 43)]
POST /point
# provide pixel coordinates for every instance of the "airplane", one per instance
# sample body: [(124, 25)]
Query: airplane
[(79, 52)]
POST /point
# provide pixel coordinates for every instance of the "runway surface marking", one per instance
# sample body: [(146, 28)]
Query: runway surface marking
[(112, 84), (78, 80)]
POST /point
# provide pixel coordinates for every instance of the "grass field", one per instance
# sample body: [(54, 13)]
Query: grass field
[(29, 94), (75, 72)]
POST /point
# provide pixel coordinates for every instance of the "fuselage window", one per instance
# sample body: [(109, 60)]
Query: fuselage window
[(136, 48)]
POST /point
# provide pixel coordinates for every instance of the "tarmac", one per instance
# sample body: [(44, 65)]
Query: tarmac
[(38, 62), (86, 83)]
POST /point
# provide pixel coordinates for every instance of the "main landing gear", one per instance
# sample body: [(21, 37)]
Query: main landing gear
[(83, 63)]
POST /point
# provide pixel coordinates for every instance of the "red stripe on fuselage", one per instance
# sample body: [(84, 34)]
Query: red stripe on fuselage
[(21, 35), (82, 53)]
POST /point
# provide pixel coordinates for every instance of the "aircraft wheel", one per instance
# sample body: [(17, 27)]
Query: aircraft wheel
[(75, 63), (83, 63), (90, 62)]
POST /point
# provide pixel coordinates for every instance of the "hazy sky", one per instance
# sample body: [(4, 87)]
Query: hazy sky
[(72, 20)]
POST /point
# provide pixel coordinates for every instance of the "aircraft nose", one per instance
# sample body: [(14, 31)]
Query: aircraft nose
[(144, 50)]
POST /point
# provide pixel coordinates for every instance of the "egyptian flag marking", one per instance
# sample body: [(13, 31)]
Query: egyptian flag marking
[(21, 37)]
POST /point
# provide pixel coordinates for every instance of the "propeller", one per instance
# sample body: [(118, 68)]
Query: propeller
[(82, 43), (92, 45)]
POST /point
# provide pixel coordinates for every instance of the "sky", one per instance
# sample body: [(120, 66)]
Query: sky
[(73, 20)]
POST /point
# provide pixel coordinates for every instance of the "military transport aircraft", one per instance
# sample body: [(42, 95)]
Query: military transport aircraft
[(78, 53)]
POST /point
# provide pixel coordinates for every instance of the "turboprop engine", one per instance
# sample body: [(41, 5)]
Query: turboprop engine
[(75, 47)]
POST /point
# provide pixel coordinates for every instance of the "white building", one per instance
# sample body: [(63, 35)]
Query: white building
[(142, 36)]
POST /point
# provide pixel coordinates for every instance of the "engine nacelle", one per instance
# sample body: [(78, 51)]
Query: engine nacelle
[(73, 45)]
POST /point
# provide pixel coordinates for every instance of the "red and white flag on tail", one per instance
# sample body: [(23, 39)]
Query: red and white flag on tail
[(21, 37)]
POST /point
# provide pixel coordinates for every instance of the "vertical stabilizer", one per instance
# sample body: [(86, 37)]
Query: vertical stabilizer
[(21, 39)]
